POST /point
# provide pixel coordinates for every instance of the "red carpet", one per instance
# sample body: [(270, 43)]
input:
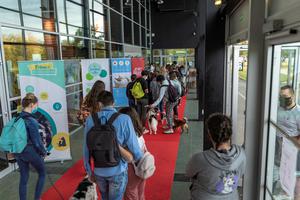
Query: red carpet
[(163, 147)]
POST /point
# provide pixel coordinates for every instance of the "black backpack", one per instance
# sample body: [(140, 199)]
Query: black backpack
[(102, 143), (172, 93)]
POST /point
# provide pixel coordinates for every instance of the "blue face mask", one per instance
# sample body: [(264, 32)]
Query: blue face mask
[(35, 110)]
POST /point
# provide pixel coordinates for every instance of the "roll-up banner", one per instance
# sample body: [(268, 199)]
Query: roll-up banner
[(46, 79), (137, 65), (93, 70), (121, 72)]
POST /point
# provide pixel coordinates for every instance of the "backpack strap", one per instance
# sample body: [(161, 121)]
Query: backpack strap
[(113, 118), (95, 119)]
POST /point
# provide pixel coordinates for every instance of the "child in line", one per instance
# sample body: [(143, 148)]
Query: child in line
[(215, 172)]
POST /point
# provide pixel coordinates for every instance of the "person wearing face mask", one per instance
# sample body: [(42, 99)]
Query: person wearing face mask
[(34, 152), (288, 118)]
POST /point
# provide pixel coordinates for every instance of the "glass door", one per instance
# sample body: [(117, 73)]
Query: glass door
[(236, 86), (5, 167), (283, 157)]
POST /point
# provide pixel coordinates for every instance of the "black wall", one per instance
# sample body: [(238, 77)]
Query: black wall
[(214, 64), (201, 27)]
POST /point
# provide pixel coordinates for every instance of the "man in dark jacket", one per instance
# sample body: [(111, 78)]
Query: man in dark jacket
[(131, 100)]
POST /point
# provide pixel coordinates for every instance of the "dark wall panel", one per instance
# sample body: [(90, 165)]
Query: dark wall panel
[(214, 64), (175, 29)]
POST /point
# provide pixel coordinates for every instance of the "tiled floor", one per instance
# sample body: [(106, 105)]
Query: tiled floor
[(189, 144)]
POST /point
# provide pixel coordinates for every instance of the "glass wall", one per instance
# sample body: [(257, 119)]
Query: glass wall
[(70, 30), (283, 160)]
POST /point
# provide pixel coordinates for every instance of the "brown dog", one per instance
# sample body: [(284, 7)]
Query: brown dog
[(181, 123)]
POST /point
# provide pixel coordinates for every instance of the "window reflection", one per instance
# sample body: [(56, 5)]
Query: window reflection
[(73, 24), (137, 34), (73, 47), (8, 16), (115, 4), (72, 72), (17, 49), (116, 27), (100, 49), (127, 31), (143, 37), (136, 11), (73, 105), (127, 9), (98, 20), (117, 51), (12, 4)]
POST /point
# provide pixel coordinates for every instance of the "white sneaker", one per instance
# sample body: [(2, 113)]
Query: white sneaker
[(169, 131), (145, 131)]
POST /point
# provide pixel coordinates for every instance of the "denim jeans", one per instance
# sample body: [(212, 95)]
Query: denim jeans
[(142, 110), (30, 156), (112, 188)]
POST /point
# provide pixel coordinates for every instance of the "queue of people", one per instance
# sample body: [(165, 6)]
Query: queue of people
[(120, 149)]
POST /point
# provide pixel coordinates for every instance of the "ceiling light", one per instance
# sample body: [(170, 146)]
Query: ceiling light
[(159, 2), (218, 2), (127, 3)]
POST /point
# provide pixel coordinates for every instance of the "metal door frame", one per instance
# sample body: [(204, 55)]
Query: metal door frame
[(4, 100), (270, 45)]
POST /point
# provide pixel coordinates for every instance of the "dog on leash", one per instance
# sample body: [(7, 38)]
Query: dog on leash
[(152, 120), (85, 191), (181, 123)]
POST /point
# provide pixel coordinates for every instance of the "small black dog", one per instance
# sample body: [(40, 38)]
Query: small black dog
[(85, 191)]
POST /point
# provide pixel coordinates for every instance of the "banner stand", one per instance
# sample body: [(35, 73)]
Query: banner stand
[(52, 111)]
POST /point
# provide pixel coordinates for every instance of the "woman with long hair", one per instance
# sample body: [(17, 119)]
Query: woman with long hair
[(34, 152), (135, 186), (215, 173), (90, 104)]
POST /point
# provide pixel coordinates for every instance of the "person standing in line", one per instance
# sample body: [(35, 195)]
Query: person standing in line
[(112, 180), (155, 89), (131, 100), (164, 94), (34, 153), (89, 104), (136, 186), (143, 101), (215, 173)]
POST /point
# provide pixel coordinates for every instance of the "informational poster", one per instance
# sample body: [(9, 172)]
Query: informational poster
[(288, 167), (121, 72), (46, 79), (137, 65), (93, 70)]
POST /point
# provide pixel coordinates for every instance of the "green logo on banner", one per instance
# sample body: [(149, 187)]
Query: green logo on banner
[(42, 69), (57, 106), (94, 69), (29, 89), (103, 73), (89, 76)]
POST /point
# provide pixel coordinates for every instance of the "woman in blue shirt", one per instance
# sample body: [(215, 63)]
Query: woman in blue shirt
[(34, 152)]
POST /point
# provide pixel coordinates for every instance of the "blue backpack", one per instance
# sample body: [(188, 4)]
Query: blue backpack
[(13, 138)]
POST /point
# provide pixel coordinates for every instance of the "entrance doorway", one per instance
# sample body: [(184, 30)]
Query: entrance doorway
[(236, 87)]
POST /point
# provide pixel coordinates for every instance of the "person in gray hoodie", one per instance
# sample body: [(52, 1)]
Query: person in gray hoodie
[(215, 172)]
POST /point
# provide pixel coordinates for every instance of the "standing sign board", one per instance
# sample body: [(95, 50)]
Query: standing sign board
[(93, 70), (121, 72), (137, 65), (46, 79)]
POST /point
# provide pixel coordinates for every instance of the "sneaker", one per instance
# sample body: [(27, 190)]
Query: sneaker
[(145, 131), (166, 127), (169, 131)]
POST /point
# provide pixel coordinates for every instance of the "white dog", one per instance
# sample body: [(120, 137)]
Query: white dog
[(152, 120)]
